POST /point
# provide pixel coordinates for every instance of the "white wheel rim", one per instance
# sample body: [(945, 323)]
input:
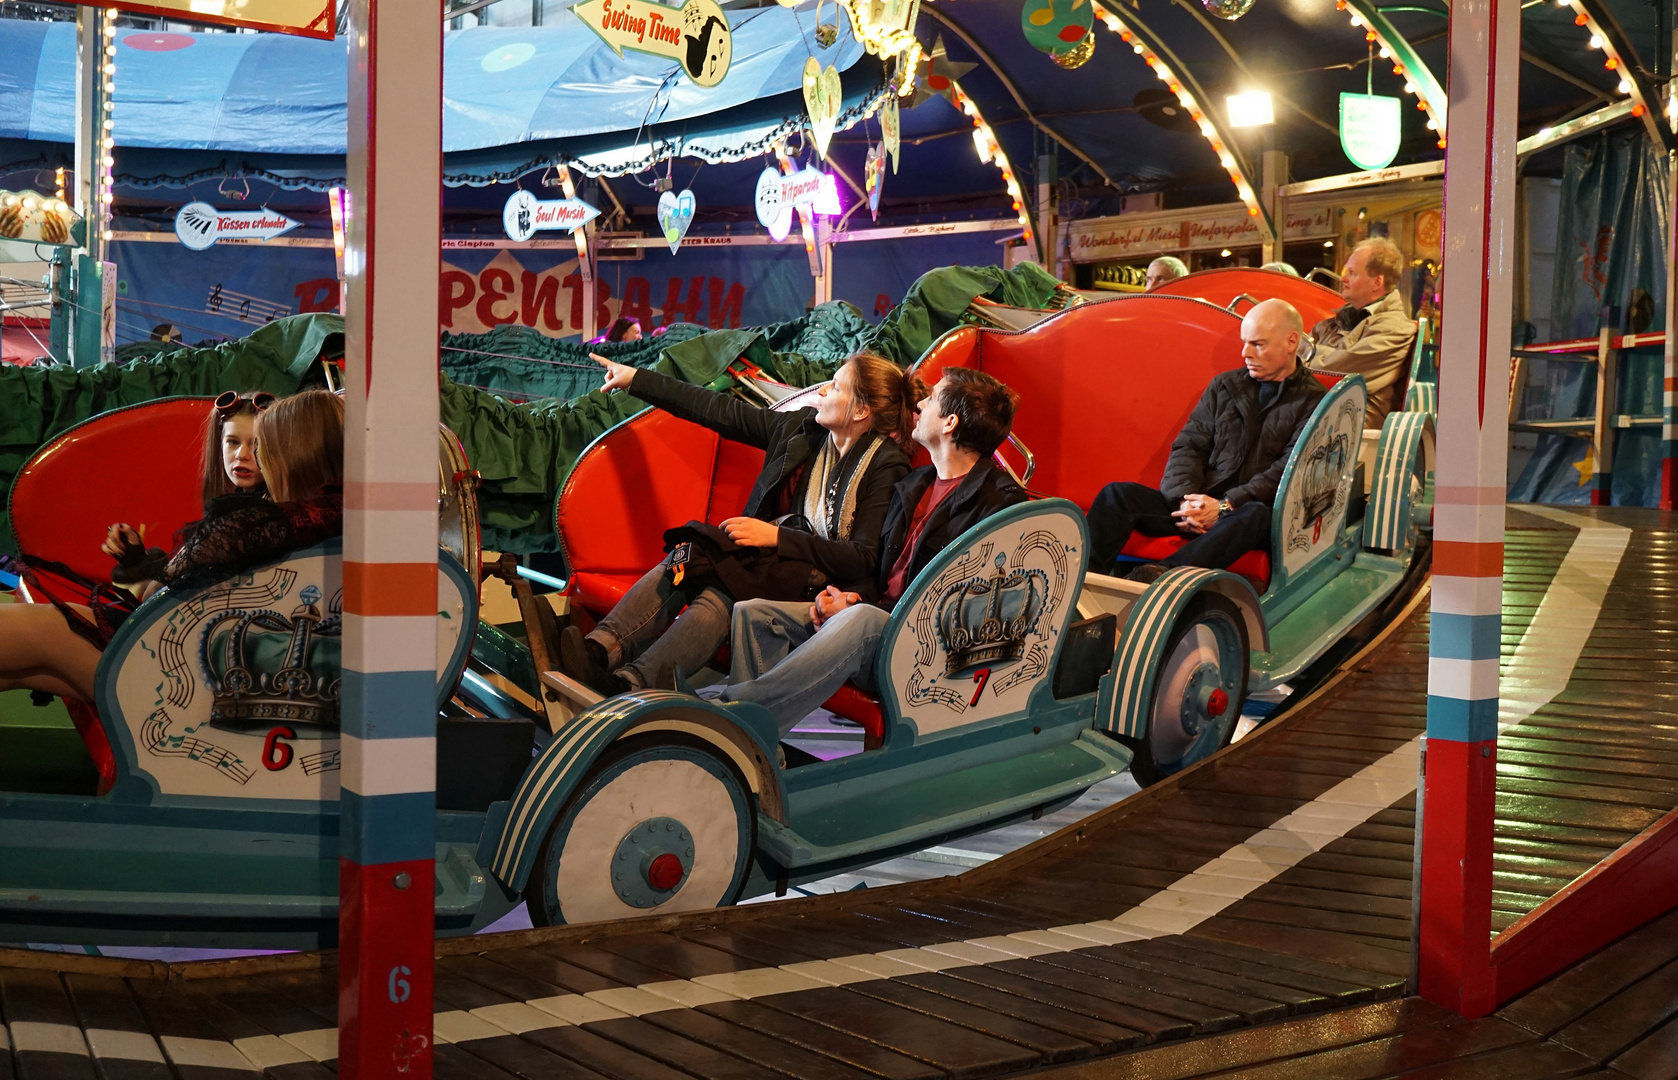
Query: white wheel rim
[(1197, 649), (665, 787)]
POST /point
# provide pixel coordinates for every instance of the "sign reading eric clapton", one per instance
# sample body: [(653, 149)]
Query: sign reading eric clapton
[(1101, 239), (200, 225)]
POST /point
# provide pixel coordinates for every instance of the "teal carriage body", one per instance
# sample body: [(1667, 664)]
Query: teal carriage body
[(1010, 681)]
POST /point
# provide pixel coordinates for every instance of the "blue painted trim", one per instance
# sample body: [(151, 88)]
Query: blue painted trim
[(376, 829), (1467, 637), (1461, 721), (551, 779), (389, 704)]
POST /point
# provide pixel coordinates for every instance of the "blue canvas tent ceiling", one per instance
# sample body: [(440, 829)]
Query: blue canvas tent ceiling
[(519, 96)]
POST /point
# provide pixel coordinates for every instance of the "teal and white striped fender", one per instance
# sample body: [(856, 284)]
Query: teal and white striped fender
[(1128, 689), (1404, 436), (1422, 397), (549, 781)]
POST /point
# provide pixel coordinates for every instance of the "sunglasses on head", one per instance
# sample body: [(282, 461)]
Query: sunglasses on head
[(228, 401)]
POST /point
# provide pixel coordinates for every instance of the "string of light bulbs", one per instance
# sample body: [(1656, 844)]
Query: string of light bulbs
[(1613, 61), (991, 153), (1209, 129), (1422, 87), (107, 127)]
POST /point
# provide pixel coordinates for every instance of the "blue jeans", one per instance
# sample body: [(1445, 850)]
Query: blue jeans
[(646, 639), (785, 664)]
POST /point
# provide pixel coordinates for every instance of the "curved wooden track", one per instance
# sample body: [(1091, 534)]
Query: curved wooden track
[(1269, 884)]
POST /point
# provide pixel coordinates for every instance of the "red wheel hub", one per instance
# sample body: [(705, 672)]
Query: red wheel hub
[(1217, 703), (665, 873)]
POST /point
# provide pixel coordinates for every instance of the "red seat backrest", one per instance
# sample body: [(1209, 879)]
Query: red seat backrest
[(648, 474), (1313, 301), (138, 465), (1104, 387)]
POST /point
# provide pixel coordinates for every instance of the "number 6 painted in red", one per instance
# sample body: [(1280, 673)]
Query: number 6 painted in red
[(276, 755), (982, 676)]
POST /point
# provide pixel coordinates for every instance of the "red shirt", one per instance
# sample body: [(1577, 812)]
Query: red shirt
[(899, 577)]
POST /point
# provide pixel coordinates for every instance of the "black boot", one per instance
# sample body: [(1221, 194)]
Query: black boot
[(586, 661)]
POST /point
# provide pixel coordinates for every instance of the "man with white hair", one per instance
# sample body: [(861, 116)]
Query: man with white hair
[(1373, 334), (1163, 269), (1226, 463)]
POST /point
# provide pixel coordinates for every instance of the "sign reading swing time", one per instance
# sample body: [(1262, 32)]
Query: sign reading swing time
[(307, 18), (696, 35)]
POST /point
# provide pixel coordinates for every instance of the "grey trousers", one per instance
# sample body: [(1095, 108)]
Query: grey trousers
[(648, 635), (782, 662)]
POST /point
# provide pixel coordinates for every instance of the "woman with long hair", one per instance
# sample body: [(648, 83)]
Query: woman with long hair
[(817, 505), (298, 444)]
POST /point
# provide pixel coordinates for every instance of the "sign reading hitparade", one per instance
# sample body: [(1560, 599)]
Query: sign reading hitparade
[(778, 195), (696, 35), (525, 215), (199, 225)]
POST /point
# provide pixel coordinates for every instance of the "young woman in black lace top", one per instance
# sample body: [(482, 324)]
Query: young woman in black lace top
[(300, 450)]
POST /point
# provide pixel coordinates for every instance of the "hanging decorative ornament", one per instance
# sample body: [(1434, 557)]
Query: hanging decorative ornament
[(675, 214), (1060, 28), (937, 74), (890, 129), (874, 178), (1078, 55), (1228, 9), (822, 94)]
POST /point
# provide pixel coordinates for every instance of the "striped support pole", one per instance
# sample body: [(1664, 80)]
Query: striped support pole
[(1456, 880), (1669, 402), (386, 867)]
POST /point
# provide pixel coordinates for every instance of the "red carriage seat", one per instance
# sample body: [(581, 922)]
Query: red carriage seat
[(1224, 286), (135, 465)]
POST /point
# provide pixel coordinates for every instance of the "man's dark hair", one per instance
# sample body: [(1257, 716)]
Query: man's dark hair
[(982, 405)]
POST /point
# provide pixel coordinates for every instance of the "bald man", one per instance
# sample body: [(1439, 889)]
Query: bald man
[(1225, 464)]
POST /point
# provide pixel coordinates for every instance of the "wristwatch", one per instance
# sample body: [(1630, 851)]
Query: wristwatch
[(1224, 507)]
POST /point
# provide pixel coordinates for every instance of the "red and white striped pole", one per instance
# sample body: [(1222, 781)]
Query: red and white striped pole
[(391, 267), (1470, 485)]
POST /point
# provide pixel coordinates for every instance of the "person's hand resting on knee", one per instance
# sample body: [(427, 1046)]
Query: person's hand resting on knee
[(830, 602), (1197, 514)]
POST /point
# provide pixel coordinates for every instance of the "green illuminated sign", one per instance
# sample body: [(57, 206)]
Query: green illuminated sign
[(1370, 129)]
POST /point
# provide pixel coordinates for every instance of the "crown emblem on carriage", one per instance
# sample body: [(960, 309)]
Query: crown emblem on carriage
[(265, 669), (986, 619)]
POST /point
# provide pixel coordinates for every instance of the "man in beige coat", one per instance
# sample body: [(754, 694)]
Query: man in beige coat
[(1373, 335)]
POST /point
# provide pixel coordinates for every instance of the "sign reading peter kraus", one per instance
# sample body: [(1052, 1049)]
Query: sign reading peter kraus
[(1201, 228)]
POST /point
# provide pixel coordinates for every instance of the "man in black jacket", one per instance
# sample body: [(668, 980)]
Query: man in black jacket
[(790, 658), (1226, 463)]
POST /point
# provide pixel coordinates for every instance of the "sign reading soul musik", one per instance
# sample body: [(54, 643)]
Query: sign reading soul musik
[(1162, 233), (525, 215)]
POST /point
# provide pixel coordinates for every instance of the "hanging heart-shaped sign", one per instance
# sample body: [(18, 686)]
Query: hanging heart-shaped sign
[(874, 178), (889, 128), (675, 214), (822, 94)]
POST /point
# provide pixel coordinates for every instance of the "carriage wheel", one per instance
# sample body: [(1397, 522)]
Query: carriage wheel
[(1198, 689), (659, 825)]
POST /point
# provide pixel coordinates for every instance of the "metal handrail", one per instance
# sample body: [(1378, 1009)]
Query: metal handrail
[(1249, 297), (1025, 452)]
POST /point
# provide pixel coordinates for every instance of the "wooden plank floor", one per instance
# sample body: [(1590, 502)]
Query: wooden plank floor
[(1251, 915)]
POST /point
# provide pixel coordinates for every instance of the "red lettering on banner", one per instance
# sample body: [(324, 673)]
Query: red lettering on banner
[(882, 304), (456, 289), (574, 283), (317, 294), (496, 285), (638, 303), (725, 308), (675, 310), (539, 295), (602, 313)]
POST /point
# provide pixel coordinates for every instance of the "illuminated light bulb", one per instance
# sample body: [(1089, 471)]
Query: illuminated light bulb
[(1252, 211), (1369, 36), (110, 30), (1227, 161), (108, 160), (110, 69), (1357, 20), (1580, 20), (108, 143), (110, 50), (1125, 35), (107, 234), (1137, 49), (1409, 88), (1441, 144), (28, 203), (109, 123), (1596, 41), (1339, 5), (1624, 87), (1386, 53), (1433, 125), (1422, 105), (1637, 110), (1544, 132), (1176, 88), (1611, 64)]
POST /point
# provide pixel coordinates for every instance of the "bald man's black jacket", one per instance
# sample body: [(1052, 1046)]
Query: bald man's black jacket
[(1235, 446)]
